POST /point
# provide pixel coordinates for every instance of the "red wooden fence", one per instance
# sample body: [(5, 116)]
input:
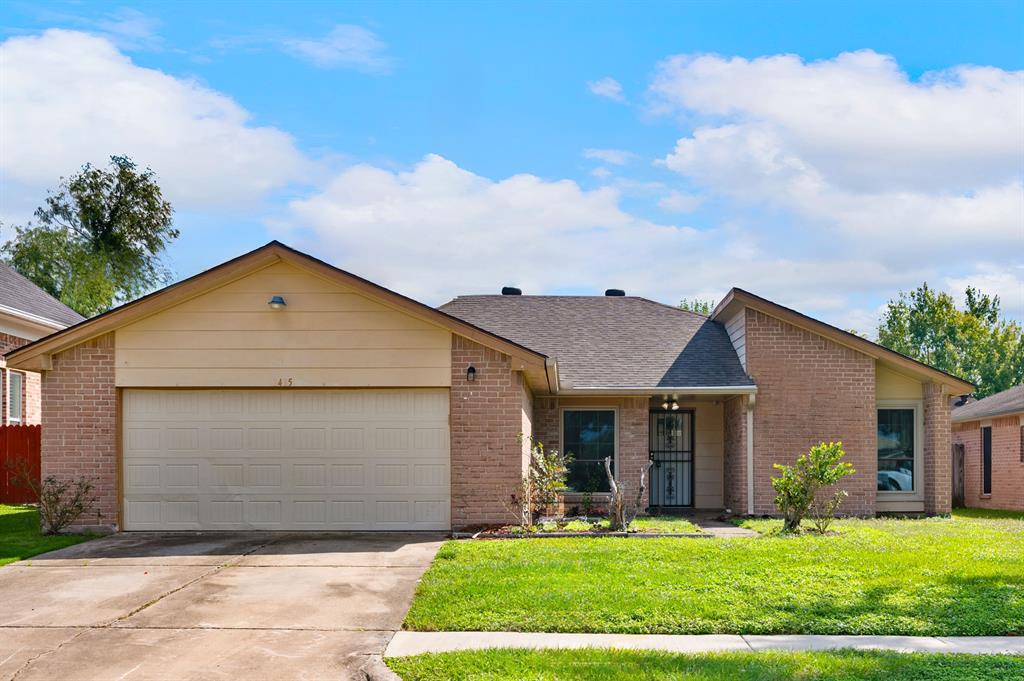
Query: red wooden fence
[(19, 446)]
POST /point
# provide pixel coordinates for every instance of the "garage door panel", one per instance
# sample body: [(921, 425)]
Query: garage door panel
[(286, 460)]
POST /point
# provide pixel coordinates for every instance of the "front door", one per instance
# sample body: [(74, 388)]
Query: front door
[(672, 453)]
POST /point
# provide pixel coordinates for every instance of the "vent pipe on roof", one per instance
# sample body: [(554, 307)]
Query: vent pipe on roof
[(511, 291), (614, 292)]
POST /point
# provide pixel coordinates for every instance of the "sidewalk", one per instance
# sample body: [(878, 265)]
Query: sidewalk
[(417, 642)]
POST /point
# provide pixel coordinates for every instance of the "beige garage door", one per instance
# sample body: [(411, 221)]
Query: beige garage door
[(286, 460)]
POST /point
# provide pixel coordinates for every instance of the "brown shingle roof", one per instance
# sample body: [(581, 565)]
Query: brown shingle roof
[(611, 341), (21, 294), (1007, 402)]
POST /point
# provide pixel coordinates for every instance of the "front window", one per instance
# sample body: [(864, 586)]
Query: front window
[(589, 436), (896, 450), (14, 403)]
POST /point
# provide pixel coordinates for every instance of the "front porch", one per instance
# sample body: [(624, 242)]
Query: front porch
[(683, 435)]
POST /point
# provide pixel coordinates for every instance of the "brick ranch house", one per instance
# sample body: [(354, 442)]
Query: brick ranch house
[(991, 432), (27, 313), (275, 391)]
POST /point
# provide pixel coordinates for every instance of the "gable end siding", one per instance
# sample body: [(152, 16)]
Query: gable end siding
[(737, 330)]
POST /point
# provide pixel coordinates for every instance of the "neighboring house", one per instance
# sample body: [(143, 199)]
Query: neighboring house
[(277, 392), (27, 313), (991, 432)]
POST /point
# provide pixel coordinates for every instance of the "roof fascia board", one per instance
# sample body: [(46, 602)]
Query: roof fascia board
[(996, 415), (661, 390), (32, 318)]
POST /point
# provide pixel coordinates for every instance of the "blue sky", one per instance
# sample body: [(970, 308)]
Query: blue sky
[(826, 155)]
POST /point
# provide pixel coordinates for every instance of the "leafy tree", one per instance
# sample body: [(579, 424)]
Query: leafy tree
[(704, 307), (99, 239), (975, 343)]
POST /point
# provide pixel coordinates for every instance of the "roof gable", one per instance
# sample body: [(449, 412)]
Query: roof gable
[(35, 355), (738, 298)]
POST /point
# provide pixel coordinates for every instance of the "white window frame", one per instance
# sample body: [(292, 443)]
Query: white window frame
[(561, 433), (918, 492), (7, 393)]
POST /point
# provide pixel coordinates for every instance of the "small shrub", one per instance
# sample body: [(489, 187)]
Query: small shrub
[(797, 487), (539, 488), (824, 512), (61, 502)]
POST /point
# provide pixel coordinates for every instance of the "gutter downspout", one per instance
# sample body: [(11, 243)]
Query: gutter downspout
[(551, 369), (750, 453)]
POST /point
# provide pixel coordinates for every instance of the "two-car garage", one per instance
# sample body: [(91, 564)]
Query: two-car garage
[(286, 459)]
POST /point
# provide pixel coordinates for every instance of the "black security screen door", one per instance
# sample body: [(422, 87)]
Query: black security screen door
[(672, 454)]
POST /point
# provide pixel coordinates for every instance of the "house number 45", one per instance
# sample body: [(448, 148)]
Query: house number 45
[(283, 382)]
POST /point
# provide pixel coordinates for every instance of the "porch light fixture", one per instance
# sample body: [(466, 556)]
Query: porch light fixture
[(276, 303), (471, 373)]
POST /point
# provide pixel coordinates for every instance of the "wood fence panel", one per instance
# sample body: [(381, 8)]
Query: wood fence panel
[(19, 451), (958, 475)]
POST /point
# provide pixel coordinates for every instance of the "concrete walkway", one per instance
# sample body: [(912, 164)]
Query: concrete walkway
[(417, 642)]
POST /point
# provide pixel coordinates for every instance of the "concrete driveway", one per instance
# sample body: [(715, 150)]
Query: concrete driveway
[(208, 605)]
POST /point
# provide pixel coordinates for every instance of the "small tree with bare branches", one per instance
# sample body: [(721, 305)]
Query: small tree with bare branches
[(61, 502), (622, 512)]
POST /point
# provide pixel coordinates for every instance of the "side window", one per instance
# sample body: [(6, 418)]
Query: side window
[(15, 406)]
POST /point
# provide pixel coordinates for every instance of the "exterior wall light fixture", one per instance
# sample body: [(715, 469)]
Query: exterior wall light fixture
[(471, 373), (276, 303)]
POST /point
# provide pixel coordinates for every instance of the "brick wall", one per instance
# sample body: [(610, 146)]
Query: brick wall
[(735, 423), (9, 343), (79, 409), (810, 390), (487, 416), (1007, 467), (938, 460)]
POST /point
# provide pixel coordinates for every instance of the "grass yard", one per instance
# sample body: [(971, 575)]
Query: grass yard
[(496, 665), (940, 576), (20, 538)]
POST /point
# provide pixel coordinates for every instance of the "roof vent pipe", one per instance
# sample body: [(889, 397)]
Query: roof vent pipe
[(511, 291), (614, 292)]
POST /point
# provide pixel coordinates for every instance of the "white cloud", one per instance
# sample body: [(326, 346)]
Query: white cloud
[(906, 171), (601, 173), (607, 87), (438, 230), (71, 98), (346, 46), (1005, 281), (678, 202), (616, 157)]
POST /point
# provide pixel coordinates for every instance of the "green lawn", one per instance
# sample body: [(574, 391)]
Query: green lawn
[(941, 576), (20, 538), (495, 665)]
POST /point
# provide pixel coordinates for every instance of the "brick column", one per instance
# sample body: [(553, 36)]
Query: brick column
[(80, 424), (735, 460), (487, 415), (938, 491)]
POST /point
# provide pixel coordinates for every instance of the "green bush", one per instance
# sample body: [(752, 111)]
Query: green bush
[(797, 487)]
